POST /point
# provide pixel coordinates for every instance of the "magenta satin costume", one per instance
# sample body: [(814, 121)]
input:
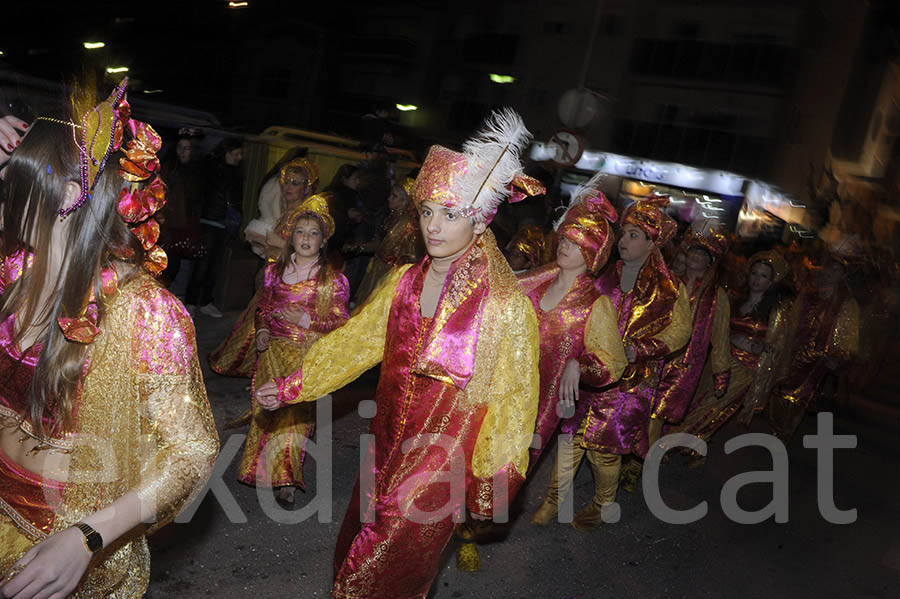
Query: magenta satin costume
[(655, 317), (326, 308), (681, 374), (462, 384), (281, 437), (562, 338)]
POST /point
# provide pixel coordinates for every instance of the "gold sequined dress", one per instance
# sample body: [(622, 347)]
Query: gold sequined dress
[(143, 424)]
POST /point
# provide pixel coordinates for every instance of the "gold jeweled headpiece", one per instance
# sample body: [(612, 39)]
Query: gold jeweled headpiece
[(316, 205)]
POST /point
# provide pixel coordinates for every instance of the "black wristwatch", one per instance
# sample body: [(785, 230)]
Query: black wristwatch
[(92, 539)]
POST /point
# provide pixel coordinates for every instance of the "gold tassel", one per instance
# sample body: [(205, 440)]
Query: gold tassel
[(468, 558)]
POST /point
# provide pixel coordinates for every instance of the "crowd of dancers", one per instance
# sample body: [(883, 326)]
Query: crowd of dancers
[(481, 368)]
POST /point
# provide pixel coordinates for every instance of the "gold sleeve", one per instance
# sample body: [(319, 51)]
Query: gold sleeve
[(720, 339), (508, 427), (329, 365), (179, 439), (774, 361), (604, 360), (678, 333), (179, 424), (845, 343)]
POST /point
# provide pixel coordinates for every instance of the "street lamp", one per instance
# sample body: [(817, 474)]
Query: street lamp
[(406, 107), (502, 78), (112, 70), (93, 45), (238, 4)]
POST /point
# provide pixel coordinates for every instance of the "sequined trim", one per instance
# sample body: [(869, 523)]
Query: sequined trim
[(31, 531), (9, 415)]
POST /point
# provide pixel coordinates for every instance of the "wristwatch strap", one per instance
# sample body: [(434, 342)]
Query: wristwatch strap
[(92, 539)]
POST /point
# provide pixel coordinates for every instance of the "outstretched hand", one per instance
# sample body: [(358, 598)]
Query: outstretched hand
[(267, 396), (51, 569), (9, 136)]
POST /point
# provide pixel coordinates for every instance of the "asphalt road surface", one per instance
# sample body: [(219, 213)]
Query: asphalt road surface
[(640, 556)]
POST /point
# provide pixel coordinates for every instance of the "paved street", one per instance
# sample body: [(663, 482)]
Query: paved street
[(639, 556)]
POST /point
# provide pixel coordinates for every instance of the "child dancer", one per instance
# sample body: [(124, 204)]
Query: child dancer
[(302, 299)]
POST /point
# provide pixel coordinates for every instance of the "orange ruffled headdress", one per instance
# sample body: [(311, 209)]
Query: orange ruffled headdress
[(648, 215), (488, 170), (315, 205), (105, 129), (588, 224)]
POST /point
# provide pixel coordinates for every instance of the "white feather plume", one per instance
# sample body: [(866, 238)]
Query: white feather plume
[(493, 157), (584, 190)]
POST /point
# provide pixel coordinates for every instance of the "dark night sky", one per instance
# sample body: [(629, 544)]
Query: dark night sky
[(186, 48)]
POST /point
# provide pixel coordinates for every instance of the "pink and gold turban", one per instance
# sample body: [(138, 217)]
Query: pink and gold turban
[(713, 241), (587, 224), (532, 242), (648, 215), (486, 172)]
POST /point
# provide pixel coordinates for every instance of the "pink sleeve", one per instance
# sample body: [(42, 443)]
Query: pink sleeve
[(338, 313), (164, 338)]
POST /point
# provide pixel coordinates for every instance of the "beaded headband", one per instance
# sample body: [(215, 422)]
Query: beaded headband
[(103, 129)]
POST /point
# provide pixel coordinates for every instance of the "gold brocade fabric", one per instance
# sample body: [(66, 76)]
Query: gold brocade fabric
[(719, 340), (711, 412), (678, 332), (506, 372), (236, 355), (747, 386), (821, 328), (14, 544), (845, 340), (774, 363), (654, 302), (601, 337), (476, 399), (143, 425), (333, 366), (402, 244), (276, 441)]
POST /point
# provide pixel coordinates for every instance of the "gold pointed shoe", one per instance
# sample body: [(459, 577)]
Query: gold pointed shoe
[(630, 476), (588, 519), (468, 558), (545, 514)]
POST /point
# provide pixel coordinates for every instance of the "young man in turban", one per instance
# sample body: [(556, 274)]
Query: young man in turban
[(710, 313), (457, 398), (654, 320), (581, 350)]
